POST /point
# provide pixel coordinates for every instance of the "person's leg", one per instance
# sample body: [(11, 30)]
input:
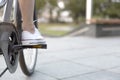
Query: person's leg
[(27, 10), (30, 34)]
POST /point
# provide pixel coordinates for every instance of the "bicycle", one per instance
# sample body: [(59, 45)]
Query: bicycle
[(10, 40)]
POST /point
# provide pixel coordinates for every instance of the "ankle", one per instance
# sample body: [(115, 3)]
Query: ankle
[(29, 27), (31, 30)]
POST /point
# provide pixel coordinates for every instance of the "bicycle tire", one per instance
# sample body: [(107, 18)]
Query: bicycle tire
[(22, 59)]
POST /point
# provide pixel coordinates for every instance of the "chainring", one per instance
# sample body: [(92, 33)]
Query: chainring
[(9, 37)]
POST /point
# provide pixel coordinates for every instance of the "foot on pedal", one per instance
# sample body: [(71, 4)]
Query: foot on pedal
[(32, 38)]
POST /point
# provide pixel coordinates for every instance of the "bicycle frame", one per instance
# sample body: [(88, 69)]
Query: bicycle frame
[(7, 28), (7, 11), (7, 31)]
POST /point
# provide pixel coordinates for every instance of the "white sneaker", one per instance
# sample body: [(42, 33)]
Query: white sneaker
[(32, 39)]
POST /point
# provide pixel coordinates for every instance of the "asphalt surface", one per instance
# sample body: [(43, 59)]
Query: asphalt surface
[(74, 58)]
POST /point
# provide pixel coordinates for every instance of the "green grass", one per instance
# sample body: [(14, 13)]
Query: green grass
[(45, 29)]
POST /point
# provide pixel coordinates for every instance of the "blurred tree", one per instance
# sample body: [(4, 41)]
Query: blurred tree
[(40, 4), (113, 11), (76, 7), (52, 4), (101, 8), (106, 8), (98, 6)]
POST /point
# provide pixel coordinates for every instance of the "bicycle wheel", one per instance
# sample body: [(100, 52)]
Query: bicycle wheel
[(27, 57)]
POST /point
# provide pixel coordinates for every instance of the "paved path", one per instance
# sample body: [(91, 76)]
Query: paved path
[(75, 58)]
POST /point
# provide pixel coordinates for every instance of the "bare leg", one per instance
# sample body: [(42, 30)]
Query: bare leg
[(27, 10)]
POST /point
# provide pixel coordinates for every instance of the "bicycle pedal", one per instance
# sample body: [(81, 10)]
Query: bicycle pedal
[(3, 71), (19, 47), (41, 46)]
